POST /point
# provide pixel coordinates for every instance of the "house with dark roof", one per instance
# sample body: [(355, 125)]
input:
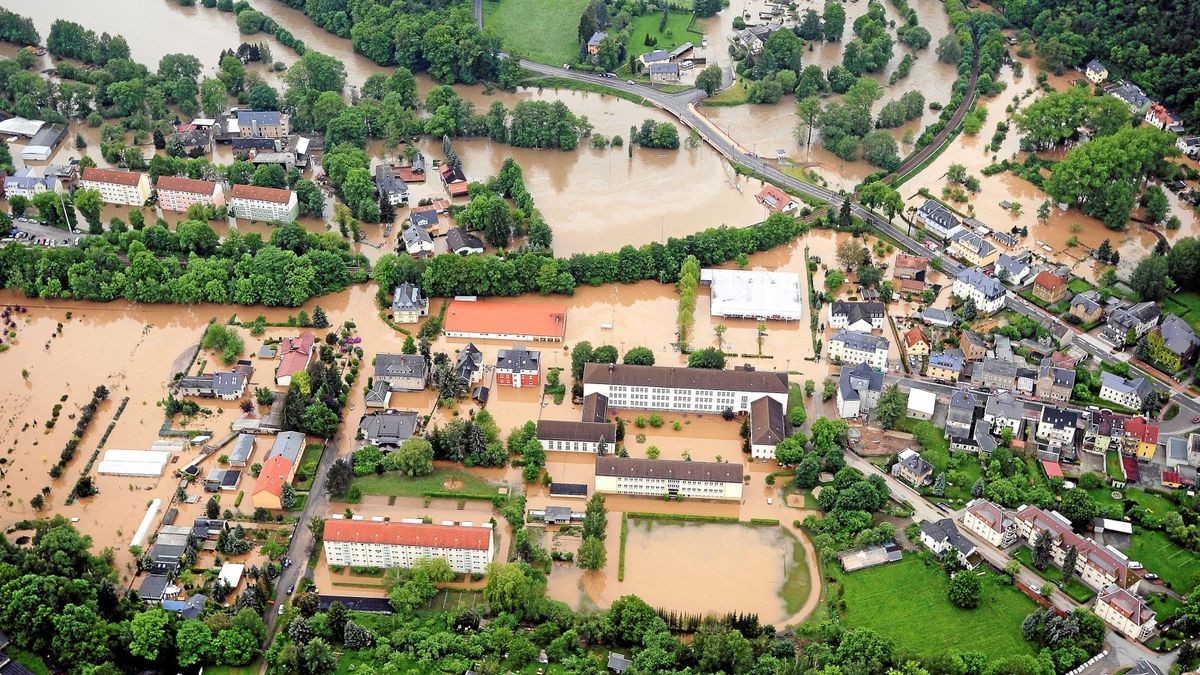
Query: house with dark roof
[(664, 73), (1095, 71), (243, 451), (1131, 94), (859, 388), (860, 317), (468, 365), (937, 317), (1055, 384), (1058, 425), (849, 347), (593, 43), (1174, 346), (408, 304), (913, 469), (996, 374), (154, 587), (1003, 410), (942, 536), (518, 367), (417, 241), (388, 427), (973, 346), (1130, 323), (768, 427), (402, 372), (388, 185), (669, 478), (965, 407), (1126, 392), (973, 249), (227, 385), (461, 242), (618, 663), (976, 440), (987, 293), (595, 408), (938, 219), (944, 366), (1011, 270), (1086, 307), (565, 436)]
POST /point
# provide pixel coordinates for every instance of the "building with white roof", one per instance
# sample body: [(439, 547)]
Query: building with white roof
[(921, 404), (753, 294), (133, 462)]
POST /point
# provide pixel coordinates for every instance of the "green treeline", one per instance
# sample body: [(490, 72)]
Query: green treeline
[(189, 265)]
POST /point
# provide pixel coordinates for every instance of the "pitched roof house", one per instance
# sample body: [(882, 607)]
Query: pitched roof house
[(294, 355), (1049, 287)]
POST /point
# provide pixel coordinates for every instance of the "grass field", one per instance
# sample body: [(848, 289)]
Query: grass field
[(1077, 285), (1186, 306), (312, 453), (734, 95), (397, 485), (31, 661), (251, 669), (798, 583), (907, 602), (675, 34), (1165, 558), (541, 31), (1074, 588), (1155, 504)]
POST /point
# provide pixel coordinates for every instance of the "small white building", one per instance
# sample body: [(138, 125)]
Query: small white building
[(850, 348), (987, 293), (231, 574), (1130, 393), (133, 462), (942, 536), (565, 436), (860, 317), (669, 478), (921, 404), (768, 427), (1096, 72)]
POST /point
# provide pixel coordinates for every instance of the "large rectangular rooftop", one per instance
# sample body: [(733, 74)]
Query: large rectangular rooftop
[(754, 294)]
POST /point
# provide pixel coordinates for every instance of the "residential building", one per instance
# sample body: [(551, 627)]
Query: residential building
[(518, 367), (44, 142), (1097, 566), (1161, 118), (1095, 72), (848, 347), (424, 217), (388, 428), (468, 365), (1105, 429), (942, 536), (243, 451), (1126, 326), (461, 242), (408, 305), (944, 367), (776, 200), (508, 320), (987, 293), (194, 141), (294, 355), (860, 317), (595, 408), (417, 241), (991, 523), (1131, 94), (972, 345), (973, 249), (1126, 392), (227, 386), (28, 182), (1049, 287), (1086, 307), (1002, 410), (593, 43), (1177, 452), (402, 372), (1125, 613), (996, 374), (858, 390), (117, 187), (921, 404), (178, 194), (938, 219), (276, 472), (383, 544), (937, 317), (754, 38), (1011, 270), (963, 410), (682, 389), (664, 73), (1058, 425), (263, 203), (753, 294), (1174, 345), (1189, 146), (768, 427), (911, 468), (976, 440), (910, 267), (557, 435), (262, 124), (654, 56), (389, 186), (916, 342), (1141, 438), (454, 180), (1055, 384), (669, 478)]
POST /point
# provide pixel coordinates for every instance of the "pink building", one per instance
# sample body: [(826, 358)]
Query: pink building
[(177, 194)]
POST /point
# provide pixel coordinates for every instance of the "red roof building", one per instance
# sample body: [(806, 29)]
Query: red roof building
[(294, 355), (1052, 469), (776, 200), (1049, 287), (268, 489), (377, 543), (1096, 565), (508, 320), (910, 266)]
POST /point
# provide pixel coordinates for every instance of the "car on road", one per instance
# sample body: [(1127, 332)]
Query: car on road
[(1152, 577), (628, 81), (944, 506), (566, 66), (613, 75), (281, 608), (291, 589), (1196, 420)]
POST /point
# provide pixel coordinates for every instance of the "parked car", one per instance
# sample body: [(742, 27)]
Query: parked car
[(281, 608), (291, 589)]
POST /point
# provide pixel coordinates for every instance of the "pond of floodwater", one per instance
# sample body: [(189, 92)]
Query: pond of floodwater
[(703, 568)]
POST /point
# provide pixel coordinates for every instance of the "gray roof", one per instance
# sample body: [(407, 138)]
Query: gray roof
[(390, 427), (946, 360), (864, 342), (1088, 300), (673, 469), (1131, 94), (675, 53), (49, 136), (1014, 267), (618, 663), (1137, 386), (767, 424), (458, 239), (415, 236), (916, 464), (658, 67), (469, 362), (380, 393), (387, 183), (973, 242), (975, 278), (28, 178), (1060, 418), (858, 378), (406, 297), (945, 530), (153, 587), (230, 382), (1063, 377), (685, 378), (1095, 66), (963, 400), (518, 359), (974, 338), (401, 365), (247, 118), (1130, 317), (584, 432), (938, 316), (289, 444), (858, 311), (656, 55), (999, 368), (939, 214), (1177, 448), (1177, 335), (243, 448), (1004, 406), (597, 38), (427, 214)]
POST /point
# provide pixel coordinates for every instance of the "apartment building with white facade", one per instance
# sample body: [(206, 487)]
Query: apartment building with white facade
[(129, 188), (263, 203), (988, 521), (682, 389), (669, 477), (851, 348), (178, 194), (1097, 566), (382, 544), (1126, 613), (566, 436), (988, 293)]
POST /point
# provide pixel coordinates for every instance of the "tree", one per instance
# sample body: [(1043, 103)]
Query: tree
[(834, 18), (1041, 548), (965, 590), (880, 149), (150, 635), (595, 518), (709, 80), (193, 641), (1149, 279), (977, 488), (318, 657), (851, 253), (949, 49), (891, 407), (808, 471), (212, 508), (319, 420), (339, 478), (512, 588), (708, 357), (834, 280), (88, 202), (1154, 200), (638, 356), (1069, 560), (1079, 507), (414, 457), (592, 554), (287, 497)]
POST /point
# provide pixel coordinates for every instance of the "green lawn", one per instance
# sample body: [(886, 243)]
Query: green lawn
[(1164, 557), (312, 454), (31, 661), (397, 485), (798, 584), (1077, 285), (1186, 306), (547, 32), (1154, 503), (1075, 588), (907, 601), (734, 95), (675, 34), (251, 669)]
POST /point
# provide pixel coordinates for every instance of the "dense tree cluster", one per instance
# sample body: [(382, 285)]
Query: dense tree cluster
[(474, 442), (1056, 118), (315, 399), (17, 29), (1069, 640), (845, 124), (871, 50)]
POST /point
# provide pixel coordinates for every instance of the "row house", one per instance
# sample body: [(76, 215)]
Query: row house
[(381, 544), (972, 345), (990, 522), (944, 366), (1159, 117), (939, 220), (964, 408), (1141, 438), (1058, 425), (973, 249), (1105, 429), (1097, 566), (179, 194), (1126, 613), (849, 347), (263, 203), (1054, 383)]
